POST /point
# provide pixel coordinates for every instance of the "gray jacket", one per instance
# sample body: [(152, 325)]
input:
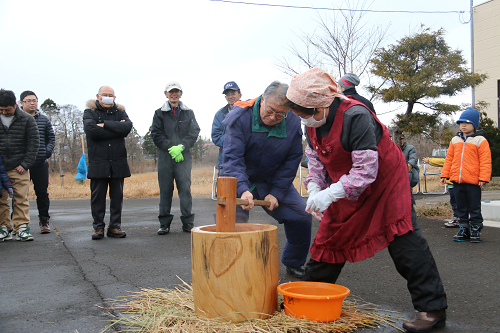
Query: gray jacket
[(411, 158)]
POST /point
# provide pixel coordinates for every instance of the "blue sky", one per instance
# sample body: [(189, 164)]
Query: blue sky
[(66, 50)]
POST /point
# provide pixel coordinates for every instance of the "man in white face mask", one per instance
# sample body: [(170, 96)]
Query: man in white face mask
[(106, 125)]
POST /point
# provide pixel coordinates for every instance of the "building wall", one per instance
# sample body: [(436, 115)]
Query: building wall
[(487, 55)]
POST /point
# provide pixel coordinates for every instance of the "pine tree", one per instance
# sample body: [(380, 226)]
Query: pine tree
[(418, 70)]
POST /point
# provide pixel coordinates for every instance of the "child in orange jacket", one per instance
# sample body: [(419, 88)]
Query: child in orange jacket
[(468, 166)]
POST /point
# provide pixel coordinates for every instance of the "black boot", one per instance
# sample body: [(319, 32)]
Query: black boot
[(44, 225), (426, 321), (164, 229)]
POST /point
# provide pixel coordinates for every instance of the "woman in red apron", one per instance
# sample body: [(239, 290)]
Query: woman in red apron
[(358, 186)]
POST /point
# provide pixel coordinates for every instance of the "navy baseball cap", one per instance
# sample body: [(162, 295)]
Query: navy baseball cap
[(231, 85)]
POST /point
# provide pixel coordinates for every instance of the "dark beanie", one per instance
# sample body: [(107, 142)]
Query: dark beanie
[(349, 80), (471, 116)]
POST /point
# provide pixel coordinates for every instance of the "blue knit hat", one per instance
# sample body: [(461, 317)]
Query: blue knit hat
[(471, 116)]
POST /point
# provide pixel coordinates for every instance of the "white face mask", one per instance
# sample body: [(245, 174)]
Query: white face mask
[(311, 122), (107, 100)]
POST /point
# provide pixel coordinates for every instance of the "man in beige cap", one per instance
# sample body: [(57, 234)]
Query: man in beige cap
[(174, 132)]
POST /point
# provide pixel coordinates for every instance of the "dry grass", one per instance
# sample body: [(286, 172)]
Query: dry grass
[(172, 310)]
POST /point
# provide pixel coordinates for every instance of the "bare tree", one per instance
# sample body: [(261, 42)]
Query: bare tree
[(68, 126), (342, 43), (133, 143)]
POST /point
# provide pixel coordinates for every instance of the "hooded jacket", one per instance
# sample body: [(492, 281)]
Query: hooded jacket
[(19, 143), (107, 154), (468, 159)]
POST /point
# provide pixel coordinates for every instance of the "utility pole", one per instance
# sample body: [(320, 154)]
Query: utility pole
[(472, 48)]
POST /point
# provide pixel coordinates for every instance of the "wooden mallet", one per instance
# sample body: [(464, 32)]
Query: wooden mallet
[(227, 202)]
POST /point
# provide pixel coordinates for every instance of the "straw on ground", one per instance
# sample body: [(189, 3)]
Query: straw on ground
[(172, 310)]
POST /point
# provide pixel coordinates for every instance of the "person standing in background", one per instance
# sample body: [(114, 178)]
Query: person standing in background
[(106, 126), (39, 172), (174, 131), (19, 142), (233, 94)]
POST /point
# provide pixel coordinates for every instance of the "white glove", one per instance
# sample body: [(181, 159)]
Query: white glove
[(312, 189), (323, 199)]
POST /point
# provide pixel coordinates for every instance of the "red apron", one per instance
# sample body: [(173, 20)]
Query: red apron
[(356, 230)]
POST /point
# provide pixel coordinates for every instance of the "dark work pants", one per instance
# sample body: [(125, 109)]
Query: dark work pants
[(468, 198), (453, 201), (168, 171), (39, 175), (414, 262), (297, 223), (98, 190)]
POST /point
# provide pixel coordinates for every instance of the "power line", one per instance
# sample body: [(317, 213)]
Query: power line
[(396, 109), (340, 9)]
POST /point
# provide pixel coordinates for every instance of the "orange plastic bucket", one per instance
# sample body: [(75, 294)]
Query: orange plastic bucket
[(315, 301)]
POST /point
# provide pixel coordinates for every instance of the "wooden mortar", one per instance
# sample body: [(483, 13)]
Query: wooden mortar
[(235, 273)]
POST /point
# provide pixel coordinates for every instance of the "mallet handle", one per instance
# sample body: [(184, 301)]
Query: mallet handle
[(239, 201)]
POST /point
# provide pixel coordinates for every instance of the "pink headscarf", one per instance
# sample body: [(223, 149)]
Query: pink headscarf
[(313, 89)]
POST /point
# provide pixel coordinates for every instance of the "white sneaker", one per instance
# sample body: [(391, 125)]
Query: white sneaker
[(23, 234), (5, 234)]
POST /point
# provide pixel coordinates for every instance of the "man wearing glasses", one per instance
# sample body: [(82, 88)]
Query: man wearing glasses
[(39, 172), (263, 149)]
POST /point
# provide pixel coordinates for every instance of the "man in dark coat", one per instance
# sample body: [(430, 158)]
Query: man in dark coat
[(106, 125), (39, 172), (18, 147), (174, 131), (263, 149)]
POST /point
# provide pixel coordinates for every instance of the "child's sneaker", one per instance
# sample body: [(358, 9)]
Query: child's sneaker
[(475, 234), (462, 235), (453, 223), (5, 234), (23, 234)]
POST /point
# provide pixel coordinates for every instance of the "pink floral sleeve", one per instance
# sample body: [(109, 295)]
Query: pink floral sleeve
[(317, 171), (363, 172)]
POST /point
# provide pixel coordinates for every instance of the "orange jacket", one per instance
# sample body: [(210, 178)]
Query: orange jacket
[(468, 162)]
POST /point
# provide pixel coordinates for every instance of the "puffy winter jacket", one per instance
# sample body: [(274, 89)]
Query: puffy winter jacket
[(106, 145), (47, 138), (19, 143), (468, 159)]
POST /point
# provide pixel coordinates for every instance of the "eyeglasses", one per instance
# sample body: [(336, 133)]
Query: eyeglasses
[(28, 101), (277, 115)]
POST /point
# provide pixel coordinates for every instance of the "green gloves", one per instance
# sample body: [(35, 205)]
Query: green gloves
[(176, 153), (179, 158)]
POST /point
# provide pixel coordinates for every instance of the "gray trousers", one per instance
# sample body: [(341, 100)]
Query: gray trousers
[(168, 171)]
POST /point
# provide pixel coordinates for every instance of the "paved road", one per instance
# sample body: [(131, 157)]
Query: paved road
[(54, 283)]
